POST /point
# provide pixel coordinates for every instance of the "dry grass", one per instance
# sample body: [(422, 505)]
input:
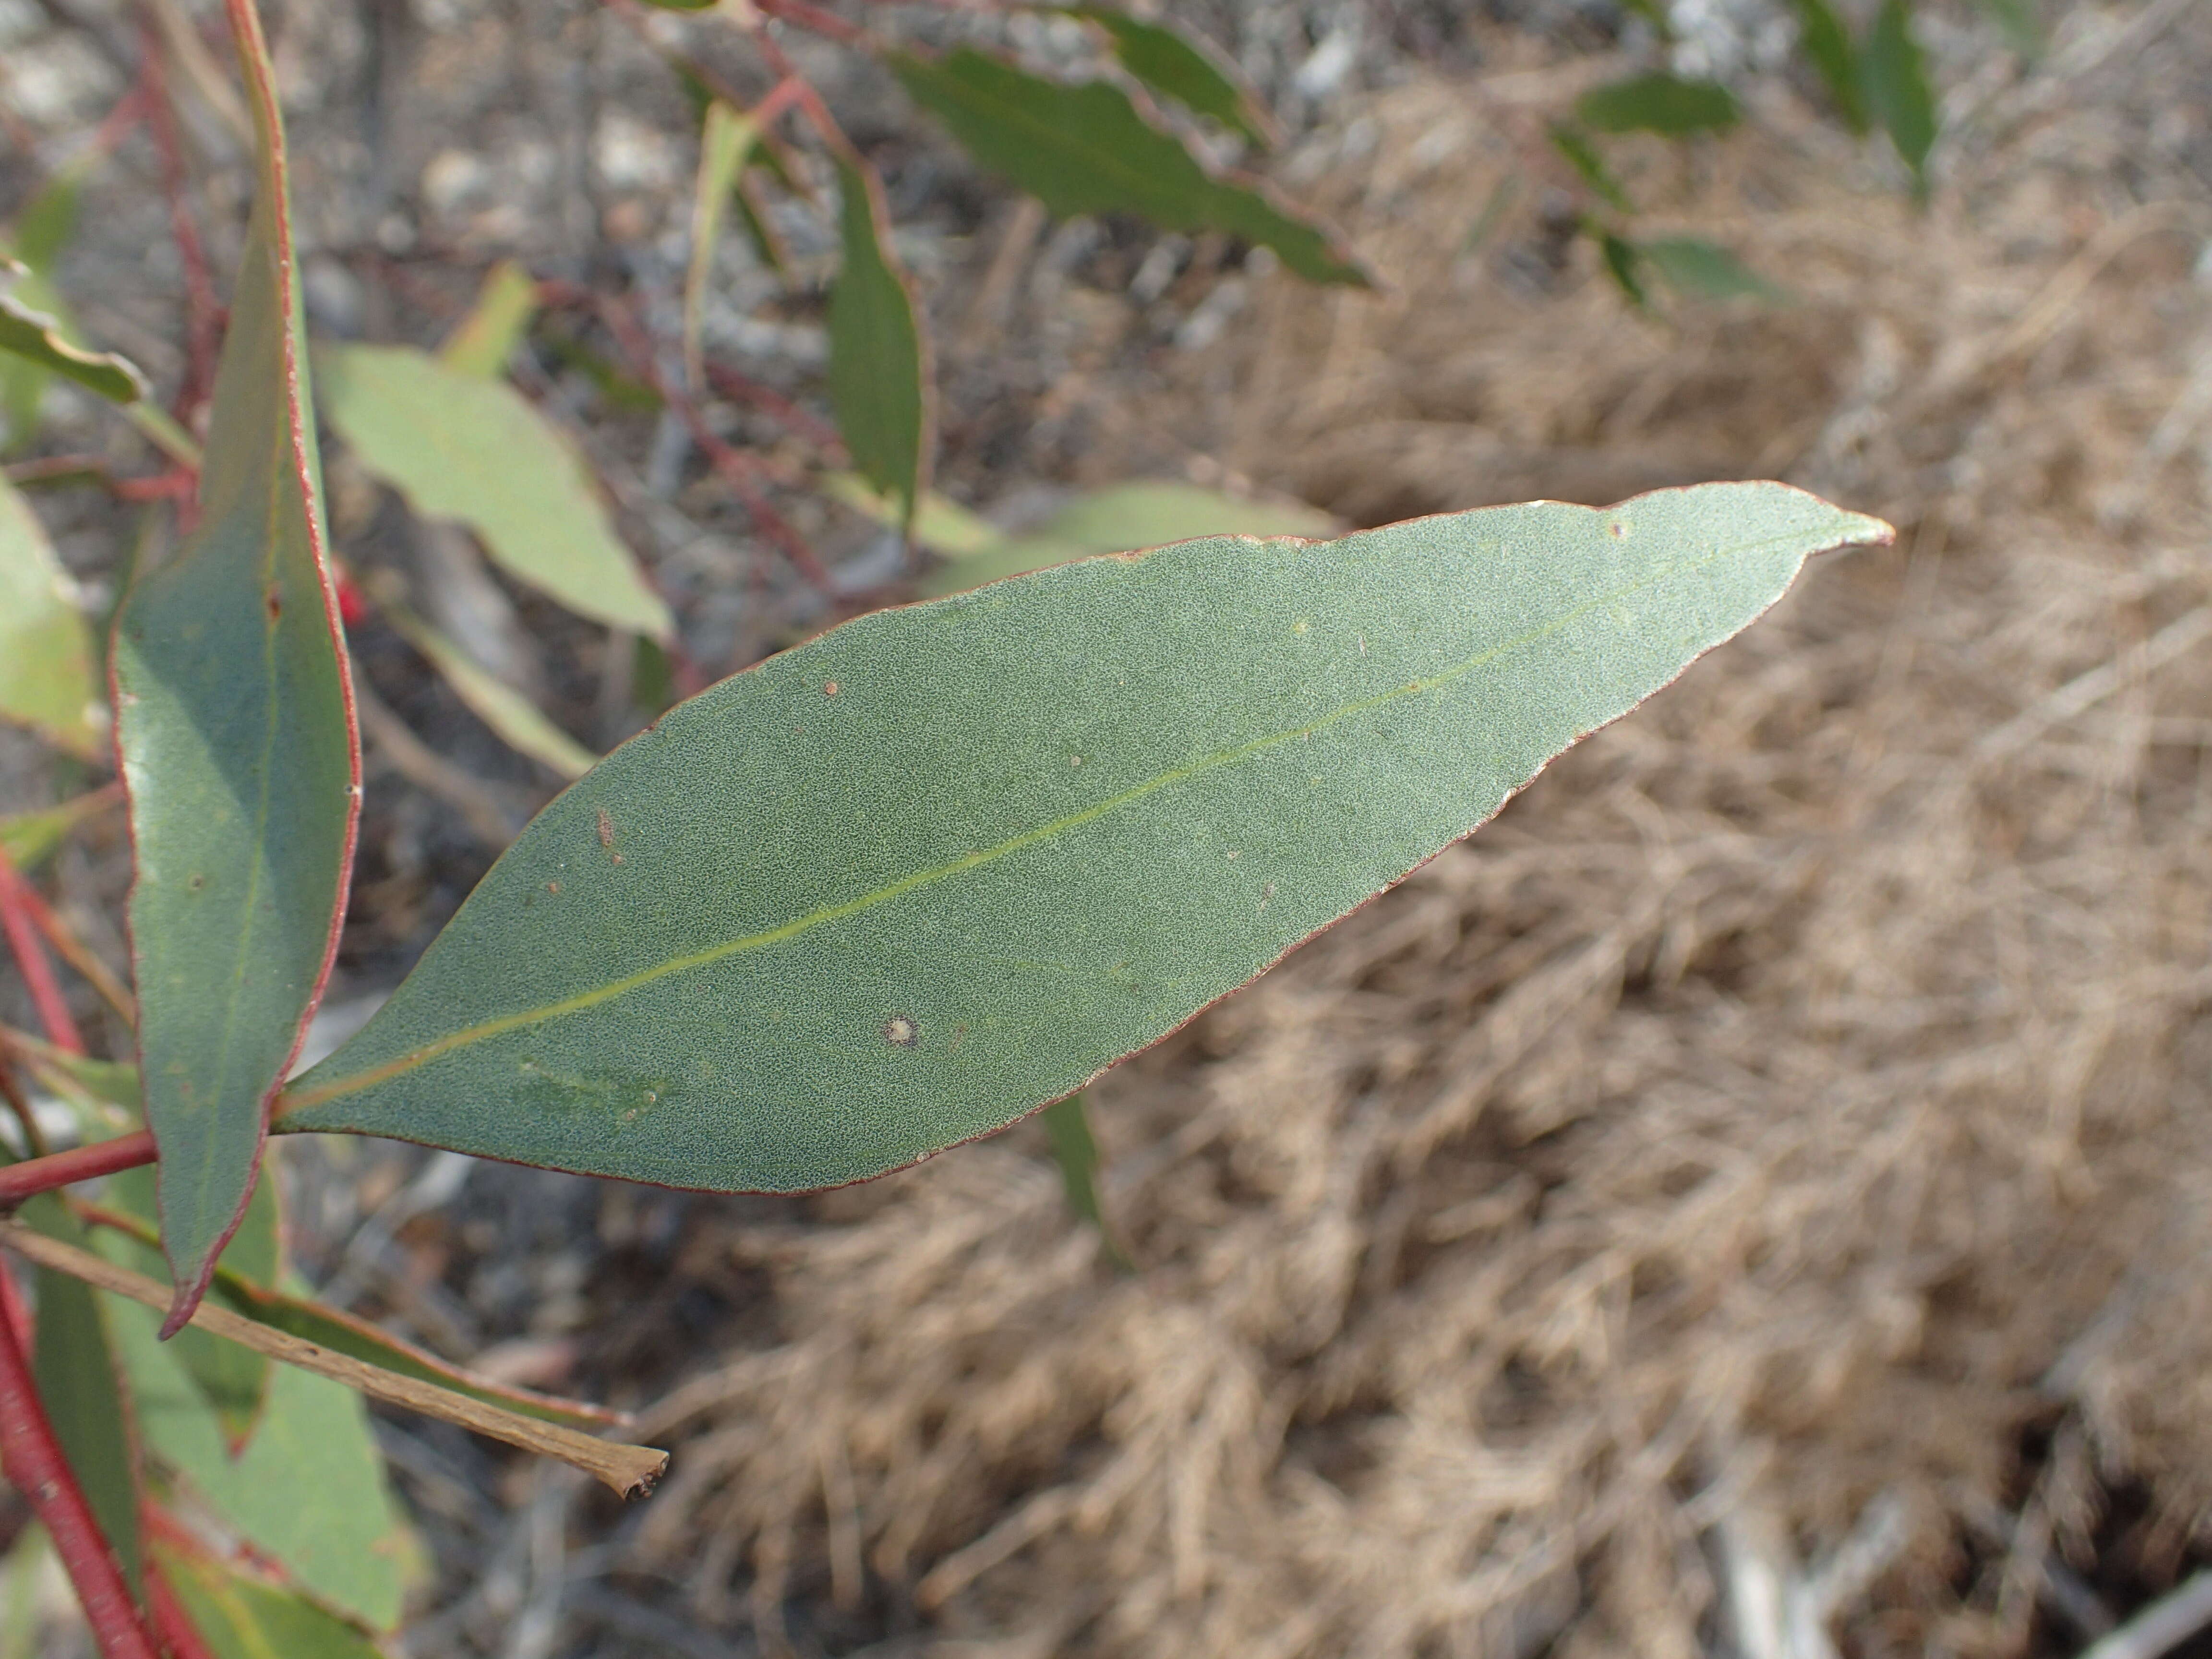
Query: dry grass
[(1801, 1091)]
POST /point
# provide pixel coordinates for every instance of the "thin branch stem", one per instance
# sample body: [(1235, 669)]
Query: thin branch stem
[(34, 1461), (76, 953), (30, 961), (42, 1174)]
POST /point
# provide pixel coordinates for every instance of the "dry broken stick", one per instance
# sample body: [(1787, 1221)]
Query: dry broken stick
[(628, 1469)]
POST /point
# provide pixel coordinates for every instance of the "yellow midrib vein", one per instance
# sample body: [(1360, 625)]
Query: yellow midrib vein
[(299, 1099)]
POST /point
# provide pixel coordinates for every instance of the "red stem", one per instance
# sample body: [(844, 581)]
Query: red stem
[(181, 1637), (34, 1461), (813, 17), (42, 1174), (30, 961)]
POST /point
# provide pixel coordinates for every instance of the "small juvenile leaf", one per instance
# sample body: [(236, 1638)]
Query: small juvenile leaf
[(235, 721), (726, 138), (38, 338), (46, 680), (1181, 67), (1088, 148), (242, 1618), (308, 1491), (918, 877), (879, 368), (1623, 262), (1582, 155), (482, 341), (475, 452), (518, 721), (1660, 103), (1896, 88), (1704, 270), (1067, 1126)]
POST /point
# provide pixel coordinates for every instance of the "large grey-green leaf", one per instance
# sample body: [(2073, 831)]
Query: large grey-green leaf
[(461, 446), (937, 867), (1088, 148), (235, 721), (45, 646)]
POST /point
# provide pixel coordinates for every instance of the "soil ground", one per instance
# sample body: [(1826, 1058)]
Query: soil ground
[(1755, 1198)]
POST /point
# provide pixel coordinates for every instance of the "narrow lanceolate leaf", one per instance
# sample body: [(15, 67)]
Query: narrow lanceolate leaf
[(1660, 103), (1178, 66), (1089, 149), (904, 883), (941, 525), (36, 337), (1075, 1149), (1897, 90), (482, 341), (235, 719), (1582, 155), (516, 719), (239, 1617), (878, 363), (475, 451), (1699, 270), (726, 138), (46, 648), (1827, 46), (1624, 263)]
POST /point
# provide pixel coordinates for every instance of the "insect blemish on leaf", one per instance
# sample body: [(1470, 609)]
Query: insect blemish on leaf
[(901, 1032), (829, 688)]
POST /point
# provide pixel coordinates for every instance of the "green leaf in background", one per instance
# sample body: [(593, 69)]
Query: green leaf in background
[(242, 1618), (878, 367), (726, 138), (482, 341), (1623, 262), (38, 337), (1896, 88), (30, 838), (25, 1565), (942, 526), (1088, 148), (517, 720), (478, 452), (235, 721), (47, 678), (1123, 517), (896, 887), (1660, 103), (1582, 155), (1182, 67), (74, 1365), (1827, 46), (308, 1491), (234, 1380), (1699, 270), (33, 245), (1075, 1149)]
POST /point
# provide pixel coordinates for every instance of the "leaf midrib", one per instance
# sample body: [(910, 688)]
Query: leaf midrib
[(298, 1099)]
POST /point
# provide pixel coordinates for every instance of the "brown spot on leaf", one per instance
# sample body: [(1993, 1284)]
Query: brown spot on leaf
[(901, 1032), (552, 886), (829, 688), (606, 830), (273, 603)]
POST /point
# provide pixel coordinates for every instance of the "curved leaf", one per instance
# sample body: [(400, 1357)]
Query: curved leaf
[(904, 883), (1088, 148), (234, 720), (475, 451), (242, 1618), (878, 371), (1897, 90), (726, 135), (1660, 103), (1827, 46), (518, 722), (38, 338), (1180, 67), (45, 646)]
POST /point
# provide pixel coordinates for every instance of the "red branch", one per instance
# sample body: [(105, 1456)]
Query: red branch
[(34, 1461), (16, 919), (813, 17), (42, 1174)]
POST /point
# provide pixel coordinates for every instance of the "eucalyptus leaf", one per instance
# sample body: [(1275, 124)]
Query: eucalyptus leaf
[(1895, 78), (1180, 66), (1075, 1150), (475, 452), (46, 675), (1088, 148), (1704, 270), (937, 867), (1582, 155), (30, 838), (1658, 102), (239, 1617), (482, 341), (518, 721), (726, 136), (235, 722), (878, 367), (38, 339), (1624, 263)]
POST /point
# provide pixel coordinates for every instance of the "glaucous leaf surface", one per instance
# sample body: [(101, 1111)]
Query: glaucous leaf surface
[(242, 1618), (474, 451), (482, 341), (1178, 66), (46, 680), (1660, 103), (234, 720), (1088, 148), (878, 371), (898, 886), (308, 1491)]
